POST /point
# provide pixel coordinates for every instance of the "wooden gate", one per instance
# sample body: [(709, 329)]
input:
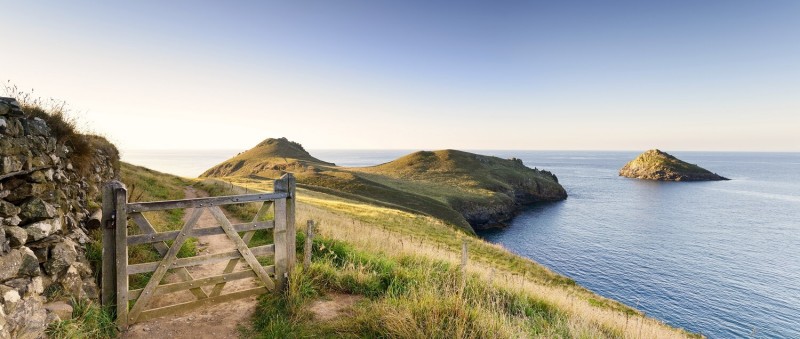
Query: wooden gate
[(116, 240)]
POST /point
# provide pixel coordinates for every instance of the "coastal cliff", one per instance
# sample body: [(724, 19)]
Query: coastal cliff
[(469, 191), (657, 165)]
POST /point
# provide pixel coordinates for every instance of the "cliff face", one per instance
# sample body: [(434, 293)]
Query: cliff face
[(50, 181), (657, 165), (486, 190)]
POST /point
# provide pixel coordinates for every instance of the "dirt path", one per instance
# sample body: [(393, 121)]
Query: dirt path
[(218, 321)]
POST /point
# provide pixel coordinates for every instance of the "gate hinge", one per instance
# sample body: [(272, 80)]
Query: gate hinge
[(111, 221)]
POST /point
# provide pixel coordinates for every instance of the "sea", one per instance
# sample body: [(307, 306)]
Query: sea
[(717, 258)]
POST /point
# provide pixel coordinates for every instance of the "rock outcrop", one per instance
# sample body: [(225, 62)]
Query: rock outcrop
[(657, 165), (49, 181)]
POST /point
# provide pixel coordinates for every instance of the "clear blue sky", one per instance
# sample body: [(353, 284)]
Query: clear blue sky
[(632, 75)]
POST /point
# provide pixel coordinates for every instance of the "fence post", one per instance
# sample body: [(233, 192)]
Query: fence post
[(121, 252), (291, 230), (280, 235), (108, 280), (308, 245), (463, 265)]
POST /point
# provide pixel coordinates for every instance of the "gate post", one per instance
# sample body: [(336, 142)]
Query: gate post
[(121, 221), (284, 233), (108, 280)]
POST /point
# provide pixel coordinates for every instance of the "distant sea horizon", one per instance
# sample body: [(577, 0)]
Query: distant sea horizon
[(191, 163), (717, 258)]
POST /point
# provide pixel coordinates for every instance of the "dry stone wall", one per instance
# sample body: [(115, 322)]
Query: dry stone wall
[(44, 205)]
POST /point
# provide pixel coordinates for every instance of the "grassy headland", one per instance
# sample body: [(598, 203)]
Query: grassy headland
[(462, 189)]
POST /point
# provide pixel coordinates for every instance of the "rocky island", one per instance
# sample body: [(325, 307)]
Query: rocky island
[(657, 165)]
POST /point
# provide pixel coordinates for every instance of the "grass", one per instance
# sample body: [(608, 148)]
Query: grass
[(88, 321), (147, 185), (64, 128), (404, 299), (462, 189), (406, 266)]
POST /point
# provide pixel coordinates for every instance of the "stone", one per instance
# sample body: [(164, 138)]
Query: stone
[(10, 107), (12, 221), (62, 255), (29, 319), (3, 324), (16, 235), (90, 288), (60, 308), (36, 209), (36, 127), (3, 125), (80, 237), (8, 209), (10, 297), (51, 318), (10, 164), (4, 244), (20, 262), (40, 230), (36, 285), (39, 177), (72, 283), (26, 190), (20, 285)]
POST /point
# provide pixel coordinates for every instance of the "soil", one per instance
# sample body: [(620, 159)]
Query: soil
[(215, 321), (333, 306)]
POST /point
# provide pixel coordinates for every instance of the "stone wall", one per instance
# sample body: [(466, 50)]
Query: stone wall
[(45, 201)]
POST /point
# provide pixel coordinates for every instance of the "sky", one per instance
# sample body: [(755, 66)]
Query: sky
[(554, 75)]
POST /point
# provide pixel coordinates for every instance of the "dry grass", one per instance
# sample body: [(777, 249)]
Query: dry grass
[(398, 235), (584, 316)]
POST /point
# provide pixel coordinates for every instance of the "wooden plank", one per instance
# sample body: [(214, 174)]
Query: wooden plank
[(241, 246), (291, 231), (279, 236), (201, 260), (162, 311), (197, 232), (308, 245), (108, 279), (121, 252), (204, 202), (262, 211), (162, 248), (186, 285), (169, 258)]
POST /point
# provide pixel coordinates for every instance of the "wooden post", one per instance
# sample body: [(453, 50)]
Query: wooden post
[(108, 279), (464, 256), (308, 245), (121, 221), (463, 265), (280, 236), (291, 230)]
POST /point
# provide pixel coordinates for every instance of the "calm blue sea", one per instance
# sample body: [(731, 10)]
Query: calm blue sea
[(718, 258)]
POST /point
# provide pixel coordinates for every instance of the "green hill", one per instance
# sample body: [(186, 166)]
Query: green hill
[(466, 190)]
